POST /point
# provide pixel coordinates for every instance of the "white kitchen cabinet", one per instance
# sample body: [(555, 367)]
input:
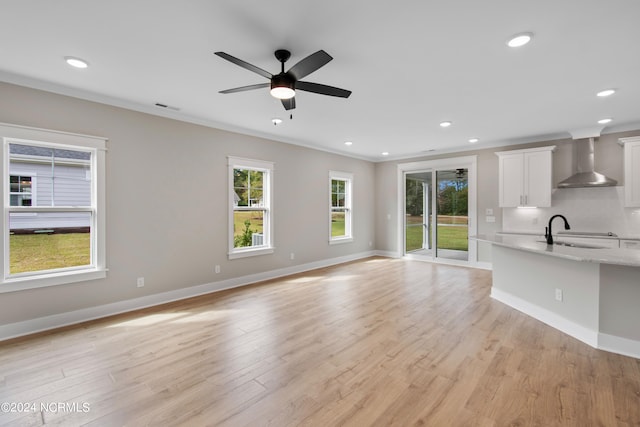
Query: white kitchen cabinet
[(525, 177), (630, 244), (631, 171)]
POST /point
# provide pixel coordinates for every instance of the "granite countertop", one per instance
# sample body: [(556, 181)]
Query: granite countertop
[(562, 234), (536, 244)]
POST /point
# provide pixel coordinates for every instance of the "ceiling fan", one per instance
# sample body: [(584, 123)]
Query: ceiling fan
[(284, 84)]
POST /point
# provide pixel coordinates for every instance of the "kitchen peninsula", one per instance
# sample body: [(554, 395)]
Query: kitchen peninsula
[(592, 294)]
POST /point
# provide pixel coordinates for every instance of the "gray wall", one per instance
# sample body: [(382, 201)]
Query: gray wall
[(167, 202)]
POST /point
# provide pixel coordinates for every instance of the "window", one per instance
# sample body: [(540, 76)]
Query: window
[(58, 236), (250, 216), (340, 213), (20, 190)]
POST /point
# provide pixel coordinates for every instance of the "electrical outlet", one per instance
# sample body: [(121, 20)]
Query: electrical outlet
[(140, 282), (490, 218), (558, 294), (293, 256), (217, 269)]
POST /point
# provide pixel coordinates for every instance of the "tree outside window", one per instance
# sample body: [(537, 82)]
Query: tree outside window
[(250, 216)]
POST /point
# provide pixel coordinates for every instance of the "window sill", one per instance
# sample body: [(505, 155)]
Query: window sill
[(250, 252), (15, 284), (340, 240)]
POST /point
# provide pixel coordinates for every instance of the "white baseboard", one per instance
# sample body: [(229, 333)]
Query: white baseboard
[(484, 265), (619, 345), (14, 330), (388, 254), (595, 339), (573, 329)]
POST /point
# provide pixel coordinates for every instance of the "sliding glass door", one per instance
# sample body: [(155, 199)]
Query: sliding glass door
[(437, 208), (452, 237)]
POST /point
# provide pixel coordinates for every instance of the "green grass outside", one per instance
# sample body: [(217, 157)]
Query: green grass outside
[(36, 252), (337, 225), (413, 238), (239, 217), (452, 234), (456, 238)]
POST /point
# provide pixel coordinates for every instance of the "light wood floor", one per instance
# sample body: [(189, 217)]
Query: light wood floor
[(371, 343)]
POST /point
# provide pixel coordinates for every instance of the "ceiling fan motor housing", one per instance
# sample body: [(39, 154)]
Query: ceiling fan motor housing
[(283, 80)]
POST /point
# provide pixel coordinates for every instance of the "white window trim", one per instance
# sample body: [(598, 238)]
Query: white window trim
[(348, 177), (268, 167), (32, 136)]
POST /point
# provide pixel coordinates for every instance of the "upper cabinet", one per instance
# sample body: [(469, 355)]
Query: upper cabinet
[(525, 177), (631, 171)]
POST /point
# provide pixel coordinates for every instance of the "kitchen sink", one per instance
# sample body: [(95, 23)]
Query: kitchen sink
[(575, 245)]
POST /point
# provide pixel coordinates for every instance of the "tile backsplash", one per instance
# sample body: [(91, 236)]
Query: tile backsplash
[(587, 209)]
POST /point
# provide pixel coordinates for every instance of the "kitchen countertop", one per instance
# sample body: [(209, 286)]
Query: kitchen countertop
[(561, 235), (532, 243)]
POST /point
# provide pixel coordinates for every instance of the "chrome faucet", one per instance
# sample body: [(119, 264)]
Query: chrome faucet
[(547, 230)]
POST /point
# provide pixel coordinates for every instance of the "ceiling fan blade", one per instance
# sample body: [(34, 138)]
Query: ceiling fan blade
[(323, 89), (289, 104), (244, 64), (245, 88), (310, 64)]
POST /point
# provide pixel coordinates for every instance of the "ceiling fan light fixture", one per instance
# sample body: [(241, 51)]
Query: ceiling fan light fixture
[(282, 86), (282, 92)]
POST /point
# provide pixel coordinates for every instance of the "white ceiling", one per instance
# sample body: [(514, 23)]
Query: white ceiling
[(410, 64)]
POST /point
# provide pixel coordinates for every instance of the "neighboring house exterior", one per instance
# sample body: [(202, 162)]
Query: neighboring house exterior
[(41, 176)]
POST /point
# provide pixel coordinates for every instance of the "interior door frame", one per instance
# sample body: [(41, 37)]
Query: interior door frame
[(468, 162)]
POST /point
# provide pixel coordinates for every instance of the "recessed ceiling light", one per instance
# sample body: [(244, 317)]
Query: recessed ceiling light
[(76, 62), (473, 140), (606, 92), (348, 143), (385, 153), (605, 121), (445, 124), (276, 121), (519, 39)]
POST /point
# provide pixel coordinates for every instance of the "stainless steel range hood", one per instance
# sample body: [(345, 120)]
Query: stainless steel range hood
[(583, 167)]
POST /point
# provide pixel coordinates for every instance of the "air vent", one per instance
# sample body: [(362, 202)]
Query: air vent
[(168, 107)]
